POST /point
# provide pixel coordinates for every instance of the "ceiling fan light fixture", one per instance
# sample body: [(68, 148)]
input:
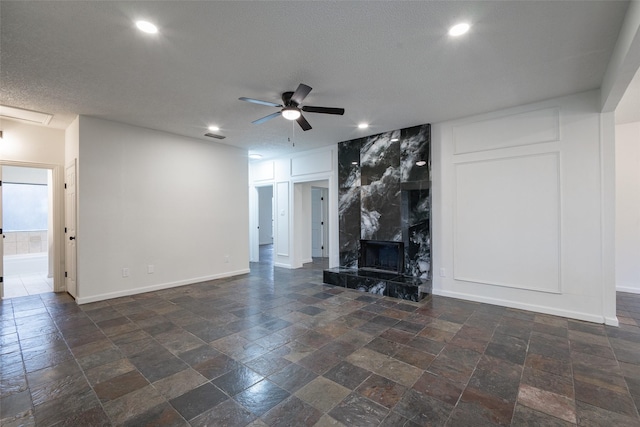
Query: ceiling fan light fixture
[(255, 156), (290, 113)]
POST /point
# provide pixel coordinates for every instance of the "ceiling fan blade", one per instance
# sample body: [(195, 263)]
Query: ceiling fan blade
[(300, 93), (304, 124), (323, 110), (257, 101), (266, 118)]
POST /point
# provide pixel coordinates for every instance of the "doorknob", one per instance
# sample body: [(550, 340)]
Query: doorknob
[(72, 238)]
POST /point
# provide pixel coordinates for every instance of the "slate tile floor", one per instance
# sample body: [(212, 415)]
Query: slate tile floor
[(278, 348)]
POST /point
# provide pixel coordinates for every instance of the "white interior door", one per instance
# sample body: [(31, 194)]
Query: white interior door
[(324, 202), (70, 228)]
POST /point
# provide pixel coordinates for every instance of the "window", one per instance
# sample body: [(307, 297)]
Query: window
[(25, 206)]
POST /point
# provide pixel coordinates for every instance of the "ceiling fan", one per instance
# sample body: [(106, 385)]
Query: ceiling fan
[(291, 109)]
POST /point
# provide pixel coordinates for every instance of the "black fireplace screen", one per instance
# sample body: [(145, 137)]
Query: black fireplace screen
[(382, 255)]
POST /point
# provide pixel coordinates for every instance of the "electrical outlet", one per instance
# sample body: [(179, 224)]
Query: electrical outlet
[(150, 269), (443, 272), (125, 272)]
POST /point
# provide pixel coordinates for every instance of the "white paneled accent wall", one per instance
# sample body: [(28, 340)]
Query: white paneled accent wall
[(507, 231), (518, 208)]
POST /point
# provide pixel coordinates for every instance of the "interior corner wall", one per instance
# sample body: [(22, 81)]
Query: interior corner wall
[(518, 208), (149, 198), (628, 207)]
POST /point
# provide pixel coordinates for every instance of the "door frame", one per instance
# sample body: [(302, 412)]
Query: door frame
[(57, 215)]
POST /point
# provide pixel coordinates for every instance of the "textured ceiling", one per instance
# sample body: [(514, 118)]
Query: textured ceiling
[(387, 63)]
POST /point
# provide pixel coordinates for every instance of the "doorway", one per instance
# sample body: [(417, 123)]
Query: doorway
[(27, 218), (311, 224), (265, 224)]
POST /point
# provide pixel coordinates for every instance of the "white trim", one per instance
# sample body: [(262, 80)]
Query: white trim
[(522, 306), (283, 265), (611, 321), (158, 287)]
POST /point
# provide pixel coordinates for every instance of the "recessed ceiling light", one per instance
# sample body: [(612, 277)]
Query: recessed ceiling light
[(255, 156), (459, 29), (421, 163), (354, 163), (395, 139), (147, 27), (363, 125), (214, 128)]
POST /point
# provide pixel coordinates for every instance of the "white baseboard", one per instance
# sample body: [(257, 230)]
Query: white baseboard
[(530, 307), (158, 287), (279, 264), (308, 260)]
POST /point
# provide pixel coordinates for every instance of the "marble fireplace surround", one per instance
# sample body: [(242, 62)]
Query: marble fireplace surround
[(385, 196)]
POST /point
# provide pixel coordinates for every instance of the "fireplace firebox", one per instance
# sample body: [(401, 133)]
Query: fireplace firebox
[(382, 256)]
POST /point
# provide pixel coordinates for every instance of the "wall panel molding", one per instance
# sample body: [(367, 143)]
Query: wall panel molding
[(310, 164), (507, 232), (512, 130)]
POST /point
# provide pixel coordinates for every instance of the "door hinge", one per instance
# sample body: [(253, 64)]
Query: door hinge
[(321, 222), (65, 185), (1, 279), (65, 229), (322, 247), (321, 198), (65, 274)]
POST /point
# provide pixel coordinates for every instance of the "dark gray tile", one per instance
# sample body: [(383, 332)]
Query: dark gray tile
[(235, 381), (356, 410), (195, 402), (261, 397)]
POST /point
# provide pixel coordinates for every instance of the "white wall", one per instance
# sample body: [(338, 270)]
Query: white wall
[(628, 207), (30, 143), (518, 211), (152, 198), (290, 249)]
